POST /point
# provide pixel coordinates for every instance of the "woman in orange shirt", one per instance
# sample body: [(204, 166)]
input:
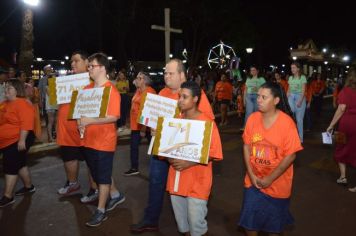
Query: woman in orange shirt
[(17, 118), (223, 94), (138, 131), (269, 155), (189, 200)]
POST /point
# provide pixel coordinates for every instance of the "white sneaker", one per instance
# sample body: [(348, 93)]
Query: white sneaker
[(341, 180), (68, 188)]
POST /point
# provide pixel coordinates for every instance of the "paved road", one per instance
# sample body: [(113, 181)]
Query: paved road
[(319, 205)]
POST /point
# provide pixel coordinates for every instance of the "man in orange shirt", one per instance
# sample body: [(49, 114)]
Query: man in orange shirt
[(68, 139), (138, 131), (100, 141), (223, 94), (174, 76), (318, 88)]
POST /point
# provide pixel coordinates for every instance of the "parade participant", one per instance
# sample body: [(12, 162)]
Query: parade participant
[(174, 76), (122, 84), (68, 139), (345, 116), (138, 131), (17, 118), (281, 81), (3, 78), (190, 201), (252, 85), (318, 89), (296, 95), (223, 94), (100, 140), (268, 156)]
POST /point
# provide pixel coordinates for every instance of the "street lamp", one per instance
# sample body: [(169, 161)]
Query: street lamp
[(249, 50), (32, 2), (26, 48)]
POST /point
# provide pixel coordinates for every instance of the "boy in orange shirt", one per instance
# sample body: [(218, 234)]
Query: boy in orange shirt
[(269, 156), (100, 141), (190, 200)]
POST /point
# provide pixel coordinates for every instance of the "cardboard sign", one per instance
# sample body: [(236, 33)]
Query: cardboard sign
[(61, 88), (89, 103), (183, 139), (154, 106)]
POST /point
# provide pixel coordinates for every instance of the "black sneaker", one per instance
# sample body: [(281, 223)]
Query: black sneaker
[(98, 218), (24, 190), (4, 201), (143, 227), (131, 172)]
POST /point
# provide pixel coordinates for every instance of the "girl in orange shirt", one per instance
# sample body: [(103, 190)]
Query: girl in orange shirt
[(190, 200), (269, 156), (17, 118)]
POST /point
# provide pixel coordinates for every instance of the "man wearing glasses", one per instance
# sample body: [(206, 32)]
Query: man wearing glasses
[(100, 141)]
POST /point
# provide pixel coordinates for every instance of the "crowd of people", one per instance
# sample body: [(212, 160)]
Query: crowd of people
[(270, 104)]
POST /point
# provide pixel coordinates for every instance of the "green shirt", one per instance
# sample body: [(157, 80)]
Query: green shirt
[(296, 84), (253, 84)]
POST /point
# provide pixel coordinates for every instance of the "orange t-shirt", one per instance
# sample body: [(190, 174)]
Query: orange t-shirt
[(284, 85), (67, 130), (196, 181), (15, 116), (135, 107), (103, 137), (223, 91), (317, 86), (268, 148), (204, 104), (308, 92)]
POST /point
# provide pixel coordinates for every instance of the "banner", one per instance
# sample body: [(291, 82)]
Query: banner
[(183, 139), (89, 103), (60, 89), (154, 106)]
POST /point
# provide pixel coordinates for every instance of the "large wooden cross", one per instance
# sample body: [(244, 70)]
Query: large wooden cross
[(167, 32)]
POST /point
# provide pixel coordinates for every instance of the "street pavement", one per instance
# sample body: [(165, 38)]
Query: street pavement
[(318, 204)]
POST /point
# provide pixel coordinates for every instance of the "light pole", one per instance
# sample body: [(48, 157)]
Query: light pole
[(249, 51), (26, 48)]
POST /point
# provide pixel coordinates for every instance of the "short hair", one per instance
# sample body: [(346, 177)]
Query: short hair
[(102, 59), (19, 87), (180, 65), (83, 54), (193, 87), (146, 77)]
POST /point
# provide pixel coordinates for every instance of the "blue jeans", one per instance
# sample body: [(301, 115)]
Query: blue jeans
[(157, 189), (134, 147), (298, 111), (251, 105)]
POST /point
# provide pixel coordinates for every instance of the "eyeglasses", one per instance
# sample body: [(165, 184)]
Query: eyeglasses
[(93, 66)]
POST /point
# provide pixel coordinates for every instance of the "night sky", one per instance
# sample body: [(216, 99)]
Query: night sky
[(122, 28)]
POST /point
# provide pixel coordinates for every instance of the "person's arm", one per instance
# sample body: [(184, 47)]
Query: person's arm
[(85, 121), (253, 177), (244, 95), (21, 144), (338, 113), (299, 103), (266, 181), (180, 165)]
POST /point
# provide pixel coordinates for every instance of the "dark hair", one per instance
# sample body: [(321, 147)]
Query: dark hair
[(278, 91), (193, 87), (19, 86), (83, 54), (102, 59)]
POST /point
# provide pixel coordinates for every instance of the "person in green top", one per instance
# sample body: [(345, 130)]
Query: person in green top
[(252, 85), (296, 95)]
